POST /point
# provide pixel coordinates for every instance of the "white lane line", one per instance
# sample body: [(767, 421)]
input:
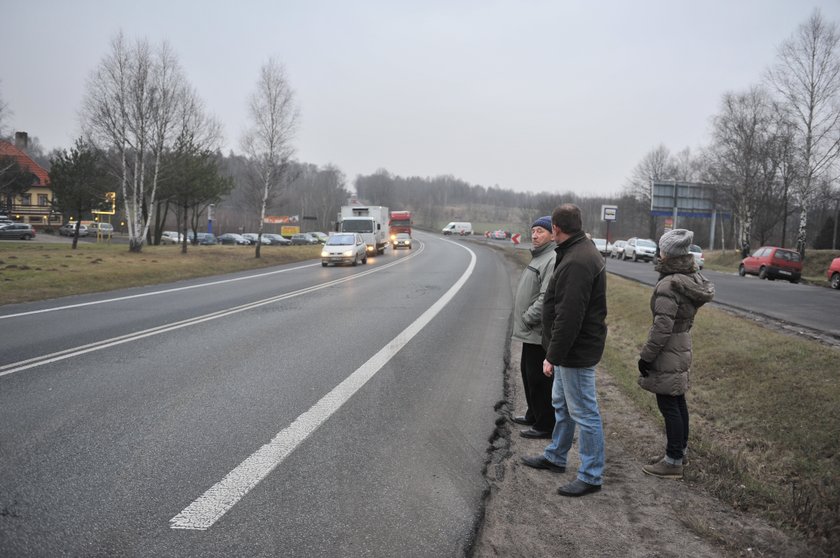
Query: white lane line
[(222, 496), (13, 367), (154, 293)]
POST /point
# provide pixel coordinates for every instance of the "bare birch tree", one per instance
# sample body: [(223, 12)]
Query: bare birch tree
[(807, 78), (743, 158), (132, 104), (268, 141)]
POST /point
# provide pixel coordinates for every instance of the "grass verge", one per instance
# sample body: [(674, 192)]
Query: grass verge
[(765, 412), (31, 271)]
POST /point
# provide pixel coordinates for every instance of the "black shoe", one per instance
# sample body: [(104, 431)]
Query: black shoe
[(540, 462), (578, 488), (521, 420), (531, 433)]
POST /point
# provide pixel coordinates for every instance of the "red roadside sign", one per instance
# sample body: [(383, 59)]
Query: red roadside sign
[(515, 238)]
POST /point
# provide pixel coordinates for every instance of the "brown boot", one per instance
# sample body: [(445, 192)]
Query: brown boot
[(664, 470), (659, 458)]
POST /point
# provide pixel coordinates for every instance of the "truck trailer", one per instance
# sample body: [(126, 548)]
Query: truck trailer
[(370, 221)]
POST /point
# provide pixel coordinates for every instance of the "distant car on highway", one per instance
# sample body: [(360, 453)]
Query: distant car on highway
[(402, 240), (772, 262), (833, 273), (618, 249), (498, 235), (639, 249), (22, 231), (233, 238), (601, 245), (344, 248)]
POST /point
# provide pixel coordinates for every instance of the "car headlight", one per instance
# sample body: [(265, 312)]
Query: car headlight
[(324, 254), (348, 253), (393, 237)]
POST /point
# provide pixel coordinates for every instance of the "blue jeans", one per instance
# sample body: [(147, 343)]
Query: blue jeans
[(575, 404)]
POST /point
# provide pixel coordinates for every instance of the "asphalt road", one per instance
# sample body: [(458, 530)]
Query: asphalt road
[(294, 411), (813, 307)]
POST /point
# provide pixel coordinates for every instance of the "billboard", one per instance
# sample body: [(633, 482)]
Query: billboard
[(686, 199)]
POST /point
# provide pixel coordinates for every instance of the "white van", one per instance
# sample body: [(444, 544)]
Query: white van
[(457, 227)]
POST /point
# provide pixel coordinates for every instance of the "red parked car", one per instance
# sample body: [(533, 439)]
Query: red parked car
[(771, 262), (833, 273)]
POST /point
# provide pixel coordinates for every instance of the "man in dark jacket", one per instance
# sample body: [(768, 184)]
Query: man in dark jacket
[(574, 335)]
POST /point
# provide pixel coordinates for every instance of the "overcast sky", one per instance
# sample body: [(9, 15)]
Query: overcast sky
[(527, 95)]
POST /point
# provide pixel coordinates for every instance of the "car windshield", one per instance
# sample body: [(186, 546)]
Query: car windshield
[(341, 240), (403, 236), (360, 226), (646, 243), (599, 241)]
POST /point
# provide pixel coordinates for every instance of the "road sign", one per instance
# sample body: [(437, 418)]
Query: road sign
[(515, 238), (609, 212)]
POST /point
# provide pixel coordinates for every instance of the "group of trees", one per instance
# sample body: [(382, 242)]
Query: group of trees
[(774, 147), (773, 156)]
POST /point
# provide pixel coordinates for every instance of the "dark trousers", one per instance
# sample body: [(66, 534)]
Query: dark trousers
[(675, 412), (537, 388)]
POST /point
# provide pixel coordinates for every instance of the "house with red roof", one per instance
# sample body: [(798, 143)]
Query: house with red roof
[(35, 205)]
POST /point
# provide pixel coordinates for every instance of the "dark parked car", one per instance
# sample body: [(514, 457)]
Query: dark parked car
[(17, 230), (304, 238), (203, 239), (277, 240), (233, 238), (833, 273), (771, 262)]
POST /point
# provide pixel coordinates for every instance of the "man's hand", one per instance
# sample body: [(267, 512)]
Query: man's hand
[(644, 366), (548, 369)]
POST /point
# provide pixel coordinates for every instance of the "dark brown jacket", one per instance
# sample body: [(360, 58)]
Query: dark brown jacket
[(674, 303), (575, 305)]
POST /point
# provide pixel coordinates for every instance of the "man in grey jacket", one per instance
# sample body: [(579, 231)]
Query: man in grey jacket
[(574, 335), (527, 328)]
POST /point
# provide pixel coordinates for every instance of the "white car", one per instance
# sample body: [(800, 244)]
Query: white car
[(171, 237), (401, 240), (344, 248), (697, 252), (639, 249), (618, 249), (601, 245)]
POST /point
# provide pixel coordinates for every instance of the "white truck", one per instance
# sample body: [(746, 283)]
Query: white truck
[(370, 221)]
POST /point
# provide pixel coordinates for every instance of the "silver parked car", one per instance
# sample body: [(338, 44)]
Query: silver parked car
[(277, 240), (253, 237), (69, 228), (344, 248)]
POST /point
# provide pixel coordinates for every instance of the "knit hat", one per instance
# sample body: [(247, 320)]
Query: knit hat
[(675, 242), (544, 222)]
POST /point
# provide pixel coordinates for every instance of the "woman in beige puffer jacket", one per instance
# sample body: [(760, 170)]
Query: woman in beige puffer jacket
[(665, 359)]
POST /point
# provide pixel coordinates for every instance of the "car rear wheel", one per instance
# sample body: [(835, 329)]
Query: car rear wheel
[(741, 270), (835, 281), (27, 237), (762, 273)]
